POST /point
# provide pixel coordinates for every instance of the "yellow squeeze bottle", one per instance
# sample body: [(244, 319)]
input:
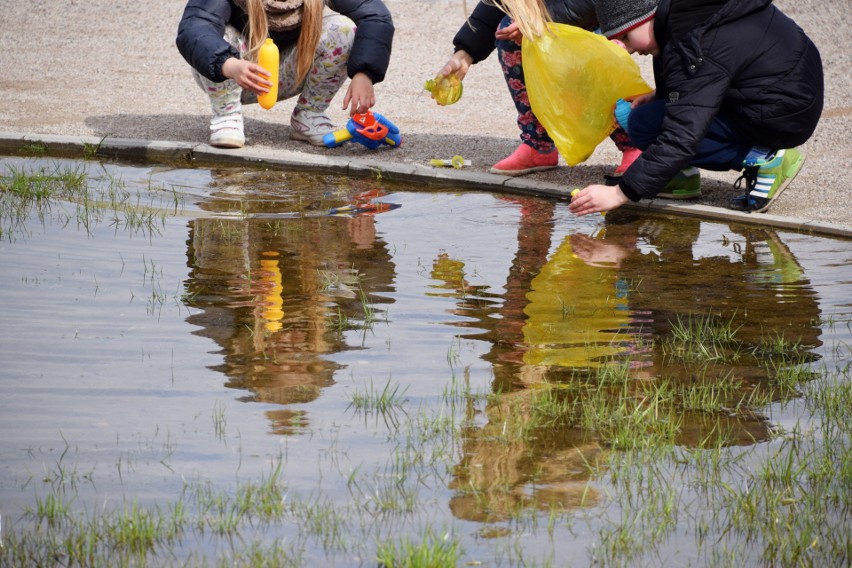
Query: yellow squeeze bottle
[(445, 90), (268, 58)]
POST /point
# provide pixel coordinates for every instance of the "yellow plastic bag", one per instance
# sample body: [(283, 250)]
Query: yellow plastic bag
[(573, 79)]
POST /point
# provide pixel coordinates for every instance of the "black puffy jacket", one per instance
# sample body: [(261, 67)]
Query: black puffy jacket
[(476, 36), (743, 60), (202, 29)]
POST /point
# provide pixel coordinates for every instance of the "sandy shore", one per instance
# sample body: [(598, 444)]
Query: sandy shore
[(111, 69)]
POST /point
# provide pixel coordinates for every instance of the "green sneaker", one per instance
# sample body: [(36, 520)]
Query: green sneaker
[(766, 178), (685, 185)]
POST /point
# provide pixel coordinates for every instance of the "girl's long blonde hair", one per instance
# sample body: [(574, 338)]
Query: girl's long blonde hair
[(531, 16), (309, 36)]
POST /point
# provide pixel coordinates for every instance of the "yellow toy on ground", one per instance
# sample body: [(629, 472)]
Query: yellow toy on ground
[(457, 162)]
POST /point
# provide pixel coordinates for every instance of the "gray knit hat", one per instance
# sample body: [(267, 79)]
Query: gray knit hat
[(617, 17)]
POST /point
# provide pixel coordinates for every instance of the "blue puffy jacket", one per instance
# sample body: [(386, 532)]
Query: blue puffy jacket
[(200, 37)]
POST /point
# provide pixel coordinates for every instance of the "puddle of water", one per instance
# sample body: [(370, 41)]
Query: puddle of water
[(342, 327)]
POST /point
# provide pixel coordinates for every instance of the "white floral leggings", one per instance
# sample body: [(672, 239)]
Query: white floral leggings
[(315, 93)]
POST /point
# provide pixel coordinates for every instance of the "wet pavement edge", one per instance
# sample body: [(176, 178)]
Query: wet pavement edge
[(203, 155)]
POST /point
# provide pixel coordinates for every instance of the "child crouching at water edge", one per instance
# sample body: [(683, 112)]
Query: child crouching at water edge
[(738, 86), (220, 40), (500, 25)]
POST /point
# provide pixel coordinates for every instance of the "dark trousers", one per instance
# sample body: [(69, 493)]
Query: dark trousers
[(720, 150)]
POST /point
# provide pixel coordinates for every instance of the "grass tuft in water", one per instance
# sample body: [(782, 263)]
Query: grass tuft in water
[(430, 552), (702, 337), (36, 148), (382, 401), (70, 193)]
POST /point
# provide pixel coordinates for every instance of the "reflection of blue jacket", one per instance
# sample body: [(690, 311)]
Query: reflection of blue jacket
[(202, 29), (769, 93), (476, 36)]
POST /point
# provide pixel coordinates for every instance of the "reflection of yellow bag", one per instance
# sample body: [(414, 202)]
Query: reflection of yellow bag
[(575, 317), (573, 79)]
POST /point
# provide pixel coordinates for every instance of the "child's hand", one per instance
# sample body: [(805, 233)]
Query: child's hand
[(510, 32), (248, 75), (360, 93), (597, 199), (597, 252), (459, 63), (642, 99)]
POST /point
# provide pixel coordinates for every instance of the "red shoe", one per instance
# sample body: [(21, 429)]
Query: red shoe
[(525, 160), (627, 158)]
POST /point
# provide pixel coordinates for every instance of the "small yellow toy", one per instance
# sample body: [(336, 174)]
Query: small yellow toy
[(456, 162)]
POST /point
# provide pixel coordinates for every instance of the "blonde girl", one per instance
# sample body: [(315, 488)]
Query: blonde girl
[(319, 50)]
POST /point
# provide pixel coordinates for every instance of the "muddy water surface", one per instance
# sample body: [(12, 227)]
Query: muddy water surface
[(256, 317)]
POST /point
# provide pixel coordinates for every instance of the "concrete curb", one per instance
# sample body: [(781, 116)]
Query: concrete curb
[(165, 151)]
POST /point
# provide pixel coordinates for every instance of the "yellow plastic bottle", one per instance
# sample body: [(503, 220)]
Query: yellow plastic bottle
[(268, 58), (445, 90)]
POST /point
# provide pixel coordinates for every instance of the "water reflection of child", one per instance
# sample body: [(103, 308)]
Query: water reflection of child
[(268, 291), (744, 276), (500, 475)]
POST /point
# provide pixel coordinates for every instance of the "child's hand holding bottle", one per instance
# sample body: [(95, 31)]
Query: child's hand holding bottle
[(446, 88)]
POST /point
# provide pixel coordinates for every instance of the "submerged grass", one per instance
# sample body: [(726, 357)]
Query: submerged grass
[(382, 401), (49, 190), (786, 503), (703, 337), (430, 552)]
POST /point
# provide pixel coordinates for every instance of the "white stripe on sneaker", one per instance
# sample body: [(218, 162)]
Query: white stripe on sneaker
[(763, 185)]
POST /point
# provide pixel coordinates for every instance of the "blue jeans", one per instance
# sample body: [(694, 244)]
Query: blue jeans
[(721, 149)]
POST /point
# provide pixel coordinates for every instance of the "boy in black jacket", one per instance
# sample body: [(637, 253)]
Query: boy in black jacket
[(739, 85)]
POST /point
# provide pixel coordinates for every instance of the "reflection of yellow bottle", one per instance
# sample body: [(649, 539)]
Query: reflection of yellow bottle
[(445, 90), (268, 58), (272, 301)]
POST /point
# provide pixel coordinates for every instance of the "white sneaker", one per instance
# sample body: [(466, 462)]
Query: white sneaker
[(310, 126), (226, 131)]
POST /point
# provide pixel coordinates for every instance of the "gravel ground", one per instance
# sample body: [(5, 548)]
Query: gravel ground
[(103, 68)]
